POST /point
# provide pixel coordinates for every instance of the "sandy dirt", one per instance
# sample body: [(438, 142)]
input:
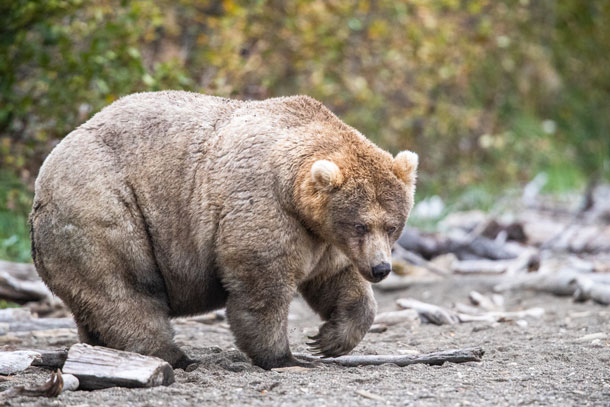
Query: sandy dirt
[(543, 363)]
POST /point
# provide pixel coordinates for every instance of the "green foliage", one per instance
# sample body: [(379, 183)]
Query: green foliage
[(15, 204), (489, 93)]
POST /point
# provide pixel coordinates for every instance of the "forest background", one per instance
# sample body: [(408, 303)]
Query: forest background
[(489, 93)]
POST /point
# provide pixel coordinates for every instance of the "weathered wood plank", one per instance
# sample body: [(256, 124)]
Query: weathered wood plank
[(97, 367)]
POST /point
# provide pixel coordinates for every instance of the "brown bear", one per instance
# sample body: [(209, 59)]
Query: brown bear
[(172, 203)]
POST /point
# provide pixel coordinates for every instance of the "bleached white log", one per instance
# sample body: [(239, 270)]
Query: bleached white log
[(480, 266), (16, 361), (36, 324), (502, 316), (397, 317), (588, 289)]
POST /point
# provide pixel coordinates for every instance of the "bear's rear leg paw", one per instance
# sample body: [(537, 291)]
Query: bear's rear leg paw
[(185, 363)]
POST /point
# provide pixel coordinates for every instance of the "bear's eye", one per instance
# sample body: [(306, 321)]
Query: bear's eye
[(360, 228), (391, 230)]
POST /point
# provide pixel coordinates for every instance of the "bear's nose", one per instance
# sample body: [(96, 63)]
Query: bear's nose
[(381, 270)]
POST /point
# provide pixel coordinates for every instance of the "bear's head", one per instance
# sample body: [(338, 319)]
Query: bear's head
[(360, 204)]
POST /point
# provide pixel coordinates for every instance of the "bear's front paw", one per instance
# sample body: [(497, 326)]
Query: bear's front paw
[(335, 339)]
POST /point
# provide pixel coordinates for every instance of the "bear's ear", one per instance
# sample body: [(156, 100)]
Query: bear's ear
[(405, 166), (326, 175)]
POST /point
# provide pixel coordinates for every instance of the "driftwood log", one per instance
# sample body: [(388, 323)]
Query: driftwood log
[(429, 312), (435, 358), (36, 324), (21, 271), (14, 289), (50, 359), (414, 258), (559, 283), (19, 360), (97, 367), (21, 320), (430, 246), (397, 317), (16, 361)]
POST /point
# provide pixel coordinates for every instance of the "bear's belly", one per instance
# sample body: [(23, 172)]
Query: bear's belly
[(196, 292)]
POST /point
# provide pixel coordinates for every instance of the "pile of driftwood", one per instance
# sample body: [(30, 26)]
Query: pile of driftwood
[(541, 250), (481, 309)]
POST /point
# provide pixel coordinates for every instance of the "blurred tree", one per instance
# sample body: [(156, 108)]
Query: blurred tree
[(485, 91)]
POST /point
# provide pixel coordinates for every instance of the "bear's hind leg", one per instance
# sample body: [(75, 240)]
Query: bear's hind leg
[(135, 323), (108, 277)]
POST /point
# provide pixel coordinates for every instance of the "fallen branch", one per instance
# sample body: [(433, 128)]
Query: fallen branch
[(97, 367), (435, 358)]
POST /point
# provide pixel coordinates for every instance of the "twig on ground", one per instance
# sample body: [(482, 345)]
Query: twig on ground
[(51, 388)]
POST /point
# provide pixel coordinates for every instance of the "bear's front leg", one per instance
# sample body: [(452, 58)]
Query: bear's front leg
[(345, 301), (258, 316)]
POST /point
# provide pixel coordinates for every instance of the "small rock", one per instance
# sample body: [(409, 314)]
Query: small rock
[(378, 328), (408, 352), (71, 382), (522, 323)]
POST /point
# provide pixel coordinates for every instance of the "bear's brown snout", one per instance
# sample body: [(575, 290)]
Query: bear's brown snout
[(381, 271)]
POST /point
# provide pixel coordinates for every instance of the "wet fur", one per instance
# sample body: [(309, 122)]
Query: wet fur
[(173, 203)]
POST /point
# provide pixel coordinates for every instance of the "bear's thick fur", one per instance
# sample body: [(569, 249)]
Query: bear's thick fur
[(174, 203)]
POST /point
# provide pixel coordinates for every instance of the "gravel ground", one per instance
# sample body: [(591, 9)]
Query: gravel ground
[(542, 363)]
